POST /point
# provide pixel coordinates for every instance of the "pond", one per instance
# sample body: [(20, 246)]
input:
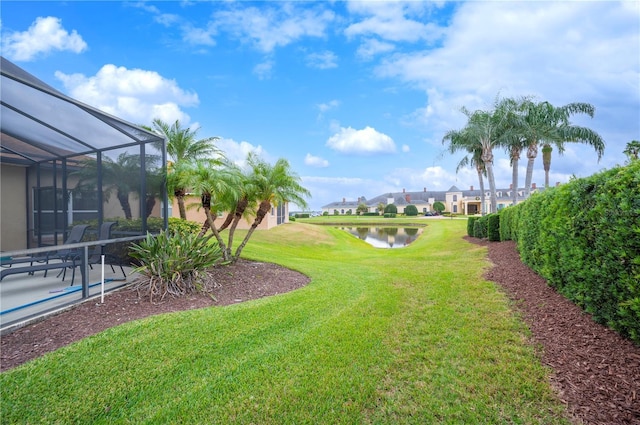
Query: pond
[(385, 237)]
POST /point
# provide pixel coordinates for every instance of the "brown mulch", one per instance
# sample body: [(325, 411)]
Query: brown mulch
[(595, 372)]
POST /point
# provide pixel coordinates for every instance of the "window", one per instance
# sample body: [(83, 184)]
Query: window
[(455, 198), (52, 211)]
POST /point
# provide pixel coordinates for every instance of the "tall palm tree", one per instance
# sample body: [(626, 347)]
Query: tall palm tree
[(272, 185), (569, 133), (546, 124), (488, 129), (460, 141), (183, 145)]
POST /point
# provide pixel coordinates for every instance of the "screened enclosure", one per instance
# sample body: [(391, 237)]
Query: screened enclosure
[(65, 163)]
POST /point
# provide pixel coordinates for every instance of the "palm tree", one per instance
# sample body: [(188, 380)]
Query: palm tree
[(488, 129), (272, 185), (632, 150), (568, 133), (183, 146), (213, 182), (544, 123), (459, 141), (121, 175)]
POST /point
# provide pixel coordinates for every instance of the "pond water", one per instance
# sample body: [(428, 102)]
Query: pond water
[(385, 237)]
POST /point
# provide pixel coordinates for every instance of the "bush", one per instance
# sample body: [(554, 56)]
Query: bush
[(584, 238), (302, 215), (326, 213), (470, 222), (292, 218), (390, 209), (389, 215), (411, 210), (178, 225), (493, 227), (480, 227), (173, 264), (372, 214), (439, 207)]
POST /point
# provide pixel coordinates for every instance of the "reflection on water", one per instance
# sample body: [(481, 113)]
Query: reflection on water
[(385, 237)]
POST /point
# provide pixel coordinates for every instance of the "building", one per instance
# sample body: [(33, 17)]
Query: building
[(455, 200)]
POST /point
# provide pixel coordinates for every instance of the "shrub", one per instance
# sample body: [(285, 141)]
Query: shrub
[(302, 215), (177, 225), (373, 214), (411, 210), (470, 222), (493, 227), (326, 213), (439, 207), (389, 215), (480, 227), (584, 238), (390, 209), (292, 218), (174, 264)]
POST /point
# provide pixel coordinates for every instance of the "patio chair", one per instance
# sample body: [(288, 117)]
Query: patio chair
[(75, 235), (95, 255)]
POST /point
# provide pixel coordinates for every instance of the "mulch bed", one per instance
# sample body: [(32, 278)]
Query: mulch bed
[(595, 371)]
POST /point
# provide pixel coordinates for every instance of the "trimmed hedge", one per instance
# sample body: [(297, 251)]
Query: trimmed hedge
[(411, 210), (493, 227), (584, 238), (470, 223)]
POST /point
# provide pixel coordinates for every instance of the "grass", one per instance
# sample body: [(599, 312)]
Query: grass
[(403, 336)]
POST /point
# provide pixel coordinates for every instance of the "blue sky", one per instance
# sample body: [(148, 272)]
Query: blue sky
[(355, 95)]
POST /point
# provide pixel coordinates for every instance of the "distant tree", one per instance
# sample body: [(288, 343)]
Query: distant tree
[(411, 210), (336, 212), (632, 150), (362, 208), (380, 208), (439, 207)]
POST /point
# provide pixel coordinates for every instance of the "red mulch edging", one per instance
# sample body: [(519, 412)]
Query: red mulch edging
[(596, 372)]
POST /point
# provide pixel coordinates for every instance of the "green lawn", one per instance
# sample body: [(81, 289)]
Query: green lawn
[(403, 336)]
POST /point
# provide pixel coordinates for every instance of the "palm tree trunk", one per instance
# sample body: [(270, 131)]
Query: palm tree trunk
[(481, 181), (240, 208), (123, 198), (179, 194), (532, 153), (265, 206), (546, 162), (515, 157), (207, 212), (487, 159)]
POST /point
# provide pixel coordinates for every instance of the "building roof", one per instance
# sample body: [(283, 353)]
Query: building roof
[(38, 123)]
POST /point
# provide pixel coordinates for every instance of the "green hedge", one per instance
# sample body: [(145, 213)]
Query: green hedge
[(584, 238), (470, 223), (493, 227), (480, 227)]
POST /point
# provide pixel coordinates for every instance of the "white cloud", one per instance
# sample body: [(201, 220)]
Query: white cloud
[(270, 27), (391, 21), (264, 70), (324, 107), (43, 36), (373, 47), (315, 161), (405, 148), (237, 152), (324, 60), (558, 51), (136, 95), (365, 141)]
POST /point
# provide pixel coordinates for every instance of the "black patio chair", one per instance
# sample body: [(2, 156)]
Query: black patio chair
[(75, 236), (95, 255)]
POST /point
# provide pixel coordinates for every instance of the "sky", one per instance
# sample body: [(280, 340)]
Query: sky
[(356, 95)]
